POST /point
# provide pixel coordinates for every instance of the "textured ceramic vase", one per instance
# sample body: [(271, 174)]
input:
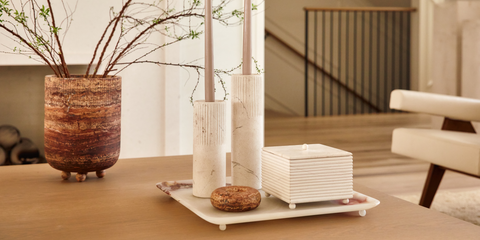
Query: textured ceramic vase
[(82, 124), (209, 147), (247, 130)]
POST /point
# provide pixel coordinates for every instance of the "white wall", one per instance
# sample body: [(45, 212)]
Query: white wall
[(444, 60), (441, 49), (448, 48), (469, 45), (156, 109)]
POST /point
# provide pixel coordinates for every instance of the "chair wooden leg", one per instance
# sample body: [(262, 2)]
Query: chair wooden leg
[(435, 175)]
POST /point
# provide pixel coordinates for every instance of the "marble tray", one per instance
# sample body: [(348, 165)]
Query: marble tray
[(270, 208)]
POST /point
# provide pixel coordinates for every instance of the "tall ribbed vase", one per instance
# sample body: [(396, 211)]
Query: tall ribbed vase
[(209, 150), (247, 130)]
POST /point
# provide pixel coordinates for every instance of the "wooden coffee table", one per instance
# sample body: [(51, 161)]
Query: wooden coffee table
[(126, 204)]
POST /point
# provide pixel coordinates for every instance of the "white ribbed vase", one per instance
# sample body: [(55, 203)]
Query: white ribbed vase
[(247, 130), (209, 150)]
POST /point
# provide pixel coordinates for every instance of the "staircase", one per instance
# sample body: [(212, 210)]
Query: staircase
[(330, 88)]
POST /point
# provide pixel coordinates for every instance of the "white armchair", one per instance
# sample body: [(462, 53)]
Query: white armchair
[(455, 147)]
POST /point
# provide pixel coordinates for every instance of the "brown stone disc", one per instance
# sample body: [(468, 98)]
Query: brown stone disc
[(235, 198)]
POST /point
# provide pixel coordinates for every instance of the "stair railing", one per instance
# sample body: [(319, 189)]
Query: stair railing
[(361, 55)]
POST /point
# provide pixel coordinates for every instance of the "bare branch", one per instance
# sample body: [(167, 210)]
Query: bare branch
[(55, 32), (31, 47), (125, 6), (97, 46), (128, 33)]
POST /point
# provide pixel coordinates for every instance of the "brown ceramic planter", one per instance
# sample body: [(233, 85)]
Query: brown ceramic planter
[(82, 124)]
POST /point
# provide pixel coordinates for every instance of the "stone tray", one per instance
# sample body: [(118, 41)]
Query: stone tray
[(270, 208)]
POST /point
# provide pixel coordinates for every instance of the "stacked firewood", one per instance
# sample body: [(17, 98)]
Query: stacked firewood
[(15, 149)]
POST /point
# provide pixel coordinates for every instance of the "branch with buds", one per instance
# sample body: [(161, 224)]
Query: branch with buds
[(39, 34)]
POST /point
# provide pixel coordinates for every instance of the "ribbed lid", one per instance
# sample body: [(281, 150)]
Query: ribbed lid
[(311, 151)]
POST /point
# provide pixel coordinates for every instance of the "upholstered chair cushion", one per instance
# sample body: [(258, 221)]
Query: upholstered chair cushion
[(460, 108), (455, 150)]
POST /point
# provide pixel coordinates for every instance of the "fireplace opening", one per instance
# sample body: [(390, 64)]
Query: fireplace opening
[(22, 105)]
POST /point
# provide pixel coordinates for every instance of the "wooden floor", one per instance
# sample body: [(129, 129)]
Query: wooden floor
[(368, 137)]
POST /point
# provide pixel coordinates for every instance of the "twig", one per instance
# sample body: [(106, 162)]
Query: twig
[(97, 46), (55, 30), (197, 68), (121, 54), (138, 21), (125, 6), (31, 47)]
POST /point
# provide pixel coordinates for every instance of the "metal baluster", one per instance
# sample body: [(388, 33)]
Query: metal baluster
[(400, 52), (331, 62), (408, 50), (306, 63), (347, 59), (393, 54), (315, 68), (363, 58), (370, 64), (385, 64), (378, 59), (339, 110), (323, 63), (355, 62)]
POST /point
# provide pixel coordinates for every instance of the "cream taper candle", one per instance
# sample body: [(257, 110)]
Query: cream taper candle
[(209, 66), (247, 38)]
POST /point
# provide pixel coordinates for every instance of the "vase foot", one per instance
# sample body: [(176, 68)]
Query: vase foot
[(66, 175), (81, 177), (101, 173)]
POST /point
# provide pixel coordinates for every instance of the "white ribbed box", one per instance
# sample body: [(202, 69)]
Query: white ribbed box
[(307, 173)]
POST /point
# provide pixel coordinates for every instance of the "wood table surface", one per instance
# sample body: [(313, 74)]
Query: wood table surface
[(35, 203)]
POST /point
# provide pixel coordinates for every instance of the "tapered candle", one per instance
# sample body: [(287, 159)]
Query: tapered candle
[(209, 79), (247, 38)]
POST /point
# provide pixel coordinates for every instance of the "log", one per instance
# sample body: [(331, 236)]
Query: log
[(9, 136), (25, 152), (3, 156)]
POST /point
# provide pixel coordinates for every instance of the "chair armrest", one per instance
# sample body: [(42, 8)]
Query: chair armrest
[(459, 108)]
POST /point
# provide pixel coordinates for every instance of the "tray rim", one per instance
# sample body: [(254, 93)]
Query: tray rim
[(248, 217)]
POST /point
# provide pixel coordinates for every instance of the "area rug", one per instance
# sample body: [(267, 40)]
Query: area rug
[(462, 205)]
